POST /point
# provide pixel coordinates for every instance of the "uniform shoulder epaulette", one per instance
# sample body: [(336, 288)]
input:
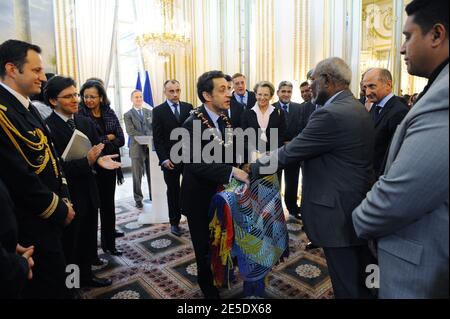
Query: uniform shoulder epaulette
[(3, 108)]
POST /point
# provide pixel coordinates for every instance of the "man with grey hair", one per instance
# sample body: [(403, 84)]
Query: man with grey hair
[(336, 147), (293, 128), (387, 112)]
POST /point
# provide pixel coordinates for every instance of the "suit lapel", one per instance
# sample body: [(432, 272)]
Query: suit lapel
[(26, 114), (169, 112), (387, 107), (61, 131)]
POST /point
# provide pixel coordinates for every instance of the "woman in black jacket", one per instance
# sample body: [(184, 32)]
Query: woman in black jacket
[(95, 105), (267, 121)]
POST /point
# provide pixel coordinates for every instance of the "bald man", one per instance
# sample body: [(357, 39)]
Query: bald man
[(387, 112)]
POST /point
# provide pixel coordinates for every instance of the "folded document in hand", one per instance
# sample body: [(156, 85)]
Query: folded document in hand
[(78, 147)]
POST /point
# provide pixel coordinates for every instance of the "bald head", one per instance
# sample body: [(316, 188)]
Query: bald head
[(377, 84)]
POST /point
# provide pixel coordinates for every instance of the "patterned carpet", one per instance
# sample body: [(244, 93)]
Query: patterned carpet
[(159, 265)]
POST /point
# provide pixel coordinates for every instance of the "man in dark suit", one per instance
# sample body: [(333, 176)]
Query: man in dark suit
[(337, 149), (15, 261), (167, 117), (31, 169), (236, 109), (241, 96), (306, 108), (387, 112), (293, 128), (138, 122), (201, 180), (81, 236)]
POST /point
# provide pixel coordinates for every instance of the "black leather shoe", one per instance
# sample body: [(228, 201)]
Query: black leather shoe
[(310, 246), (175, 229), (139, 205), (114, 252), (96, 282), (119, 234)]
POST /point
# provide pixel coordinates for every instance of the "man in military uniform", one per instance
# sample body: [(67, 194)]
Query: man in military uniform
[(30, 169)]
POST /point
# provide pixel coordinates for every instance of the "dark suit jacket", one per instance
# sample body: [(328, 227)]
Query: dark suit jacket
[(293, 120), (390, 117), (236, 110), (277, 120), (200, 180), (251, 101), (337, 149), (80, 177), (164, 122), (13, 267), (306, 110), (37, 195)]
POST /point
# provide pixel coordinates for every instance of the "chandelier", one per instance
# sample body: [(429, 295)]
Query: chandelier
[(172, 38)]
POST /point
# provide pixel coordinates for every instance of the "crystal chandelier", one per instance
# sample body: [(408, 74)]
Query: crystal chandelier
[(174, 36)]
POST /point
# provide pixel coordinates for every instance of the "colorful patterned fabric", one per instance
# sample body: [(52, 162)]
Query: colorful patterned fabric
[(258, 238)]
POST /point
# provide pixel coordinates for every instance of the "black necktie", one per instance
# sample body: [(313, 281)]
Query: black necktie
[(71, 124), (221, 124), (285, 107), (376, 110), (177, 112)]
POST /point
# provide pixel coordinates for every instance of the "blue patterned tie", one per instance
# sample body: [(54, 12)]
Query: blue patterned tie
[(242, 100)]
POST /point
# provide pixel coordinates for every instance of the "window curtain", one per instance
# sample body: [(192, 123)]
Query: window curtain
[(65, 38), (96, 26)]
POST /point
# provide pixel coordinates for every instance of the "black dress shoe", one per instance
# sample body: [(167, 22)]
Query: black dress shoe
[(96, 282), (119, 234), (139, 205), (175, 229), (114, 252), (311, 246)]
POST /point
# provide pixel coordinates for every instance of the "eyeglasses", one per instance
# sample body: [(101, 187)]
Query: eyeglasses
[(90, 97), (69, 96)]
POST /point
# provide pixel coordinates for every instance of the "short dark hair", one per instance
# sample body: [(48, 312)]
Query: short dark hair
[(306, 83), (101, 92), (205, 83), (96, 79), (15, 52), (55, 85), (228, 78), (427, 13)]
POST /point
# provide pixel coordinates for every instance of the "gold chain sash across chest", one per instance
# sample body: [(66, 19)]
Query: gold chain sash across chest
[(42, 145)]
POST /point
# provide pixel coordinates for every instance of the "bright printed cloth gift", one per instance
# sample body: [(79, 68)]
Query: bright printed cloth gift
[(247, 225)]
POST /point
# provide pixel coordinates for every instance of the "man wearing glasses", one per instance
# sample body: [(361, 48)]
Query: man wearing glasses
[(81, 236)]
